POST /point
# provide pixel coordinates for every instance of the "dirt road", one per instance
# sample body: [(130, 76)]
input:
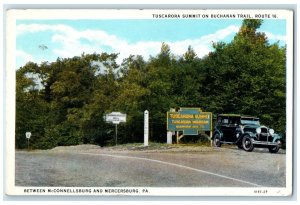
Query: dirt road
[(93, 166)]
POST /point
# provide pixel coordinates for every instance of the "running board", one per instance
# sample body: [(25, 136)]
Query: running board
[(265, 143), (224, 142), (255, 143)]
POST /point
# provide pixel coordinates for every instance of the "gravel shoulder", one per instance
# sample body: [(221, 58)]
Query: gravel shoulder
[(152, 148)]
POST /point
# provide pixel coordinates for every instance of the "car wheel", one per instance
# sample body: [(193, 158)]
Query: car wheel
[(217, 140), (247, 144), (276, 148)]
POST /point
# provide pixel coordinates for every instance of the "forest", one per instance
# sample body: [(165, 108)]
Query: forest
[(63, 102)]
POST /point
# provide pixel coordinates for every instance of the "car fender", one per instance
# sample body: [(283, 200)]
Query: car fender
[(241, 136), (239, 139), (276, 137), (251, 134), (217, 131)]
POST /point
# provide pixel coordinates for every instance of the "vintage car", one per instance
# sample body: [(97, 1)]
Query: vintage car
[(245, 132)]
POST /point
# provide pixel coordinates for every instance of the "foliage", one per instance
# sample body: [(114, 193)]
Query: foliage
[(63, 102)]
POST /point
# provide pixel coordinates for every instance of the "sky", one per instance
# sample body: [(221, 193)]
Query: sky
[(46, 40)]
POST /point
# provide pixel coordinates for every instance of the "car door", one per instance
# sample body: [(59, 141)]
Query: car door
[(232, 126), (225, 129)]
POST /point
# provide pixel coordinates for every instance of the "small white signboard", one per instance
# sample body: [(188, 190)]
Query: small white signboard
[(28, 134), (116, 122), (115, 117)]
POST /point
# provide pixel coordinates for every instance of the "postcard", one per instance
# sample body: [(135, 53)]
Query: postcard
[(149, 102)]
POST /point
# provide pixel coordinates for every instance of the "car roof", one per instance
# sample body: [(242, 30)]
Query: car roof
[(237, 115)]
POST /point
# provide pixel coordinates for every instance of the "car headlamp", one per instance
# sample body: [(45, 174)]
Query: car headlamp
[(271, 131), (258, 130)]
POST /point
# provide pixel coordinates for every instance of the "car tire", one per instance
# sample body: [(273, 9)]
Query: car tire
[(276, 148), (217, 140), (247, 143)]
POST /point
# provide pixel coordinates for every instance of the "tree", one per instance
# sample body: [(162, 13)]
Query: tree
[(247, 76), (29, 106)]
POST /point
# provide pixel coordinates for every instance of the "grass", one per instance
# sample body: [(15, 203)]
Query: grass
[(159, 146)]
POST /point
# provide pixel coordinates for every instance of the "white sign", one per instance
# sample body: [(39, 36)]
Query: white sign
[(146, 127), (115, 117), (28, 134)]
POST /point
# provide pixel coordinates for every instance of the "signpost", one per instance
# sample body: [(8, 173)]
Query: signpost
[(115, 118), (190, 121), (169, 137), (28, 135), (146, 128)]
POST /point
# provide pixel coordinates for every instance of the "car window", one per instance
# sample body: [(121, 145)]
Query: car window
[(233, 121), (225, 121), (246, 121)]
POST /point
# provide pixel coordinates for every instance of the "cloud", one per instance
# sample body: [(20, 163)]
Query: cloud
[(23, 55), (33, 28), (220, 34), (274, 37), (74, 42), (22, 58)]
